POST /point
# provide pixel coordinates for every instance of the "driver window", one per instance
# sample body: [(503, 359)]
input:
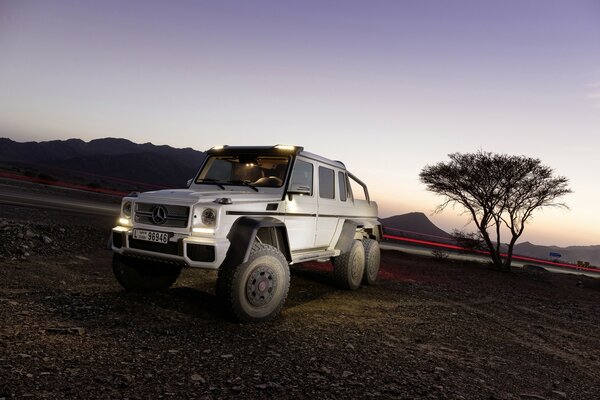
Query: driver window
[(302, 175)]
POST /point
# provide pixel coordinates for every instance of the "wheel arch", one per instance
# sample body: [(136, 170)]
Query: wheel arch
[(245, 230)]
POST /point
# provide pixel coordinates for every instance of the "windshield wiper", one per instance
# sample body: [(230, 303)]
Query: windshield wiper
[(211, 180), (245, 183)]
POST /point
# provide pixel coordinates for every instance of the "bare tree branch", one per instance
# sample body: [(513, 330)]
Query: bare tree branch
[(494, 190)]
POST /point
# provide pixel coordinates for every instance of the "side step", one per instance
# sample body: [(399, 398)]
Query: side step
[(319, 255)]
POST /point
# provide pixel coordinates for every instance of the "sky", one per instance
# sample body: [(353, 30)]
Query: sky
[(385, 86)]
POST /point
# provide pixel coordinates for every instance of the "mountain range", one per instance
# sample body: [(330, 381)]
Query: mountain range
[(108, 162)]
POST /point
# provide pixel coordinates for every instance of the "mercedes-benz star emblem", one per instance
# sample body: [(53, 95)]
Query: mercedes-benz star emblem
[(159, 215)]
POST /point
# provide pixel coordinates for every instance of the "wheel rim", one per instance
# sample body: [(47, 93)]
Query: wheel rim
[(261, 286), (373, 266), (356, 268)]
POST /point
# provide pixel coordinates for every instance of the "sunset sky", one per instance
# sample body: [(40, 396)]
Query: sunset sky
[(386, 86)]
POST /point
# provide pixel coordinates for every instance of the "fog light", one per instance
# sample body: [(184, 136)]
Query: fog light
[(124, 221)]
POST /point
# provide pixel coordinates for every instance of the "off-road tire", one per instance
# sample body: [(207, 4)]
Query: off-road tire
[(137, 275), (349, 267), (372, 261), (255, 291)]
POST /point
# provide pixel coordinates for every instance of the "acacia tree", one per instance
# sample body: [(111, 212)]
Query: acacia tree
[(496, 190)]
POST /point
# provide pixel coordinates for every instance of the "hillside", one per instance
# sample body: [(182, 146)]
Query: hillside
[(413, 223), (107, 162), (571, 254)]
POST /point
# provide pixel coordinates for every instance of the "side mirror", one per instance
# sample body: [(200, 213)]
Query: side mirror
[(189, 182)]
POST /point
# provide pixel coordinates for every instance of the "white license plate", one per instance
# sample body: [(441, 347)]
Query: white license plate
[(151, 236)]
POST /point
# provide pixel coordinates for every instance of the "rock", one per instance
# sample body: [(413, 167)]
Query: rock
[(346, 374), (65, 331), (560, 394), (29, 234), (226, 355), (439, 370), (349, 346), (532, 396), (198, 378), (46, 239)]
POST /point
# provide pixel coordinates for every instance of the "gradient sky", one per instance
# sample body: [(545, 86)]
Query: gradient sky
[(386, 86)]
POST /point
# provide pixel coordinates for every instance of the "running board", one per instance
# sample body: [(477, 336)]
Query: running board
[(319, 255)]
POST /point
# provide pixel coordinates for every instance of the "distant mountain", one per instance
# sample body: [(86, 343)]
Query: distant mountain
[(413, 223), (571, 254), (108, 161)]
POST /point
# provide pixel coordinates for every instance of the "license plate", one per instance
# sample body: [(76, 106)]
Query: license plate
[(151, 236)]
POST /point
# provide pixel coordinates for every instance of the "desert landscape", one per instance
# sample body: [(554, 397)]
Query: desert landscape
[(429, 329)]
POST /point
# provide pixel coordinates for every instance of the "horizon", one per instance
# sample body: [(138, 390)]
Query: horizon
[(430, 217), (387, 87)]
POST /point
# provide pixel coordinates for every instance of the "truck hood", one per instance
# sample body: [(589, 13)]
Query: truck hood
[(190, 197)]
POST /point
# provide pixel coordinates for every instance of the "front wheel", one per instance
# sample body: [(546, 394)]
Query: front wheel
[(137, 275), (256, 290)]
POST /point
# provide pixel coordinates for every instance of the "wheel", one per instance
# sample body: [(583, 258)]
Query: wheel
[(372, 260), (349, 267), (144, 276), (256, 290)]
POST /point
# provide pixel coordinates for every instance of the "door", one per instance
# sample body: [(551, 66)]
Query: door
[(328, 206), (301, 209)]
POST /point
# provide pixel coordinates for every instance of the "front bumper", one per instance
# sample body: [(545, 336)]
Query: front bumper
[(193, 251)]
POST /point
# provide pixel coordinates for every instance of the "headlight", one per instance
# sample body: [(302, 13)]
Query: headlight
[(208, 217), (127, 209)]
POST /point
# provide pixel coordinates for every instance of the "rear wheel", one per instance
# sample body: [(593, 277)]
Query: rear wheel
[(137, 275), (348, 268), (256, 290), (372, 261)]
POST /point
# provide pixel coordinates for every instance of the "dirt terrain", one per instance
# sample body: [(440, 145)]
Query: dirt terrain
[(430, 329)]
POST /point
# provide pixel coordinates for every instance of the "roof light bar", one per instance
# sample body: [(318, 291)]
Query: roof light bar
[(285, 147)]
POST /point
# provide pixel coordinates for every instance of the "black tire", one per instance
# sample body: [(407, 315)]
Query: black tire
[(349, 267), (137, 275), (372, 261), (255, 291)]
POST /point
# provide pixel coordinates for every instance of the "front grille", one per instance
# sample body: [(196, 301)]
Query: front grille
[(164, 248), (176, 216)]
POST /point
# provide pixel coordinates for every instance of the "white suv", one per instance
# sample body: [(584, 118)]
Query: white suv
[(250, 212)]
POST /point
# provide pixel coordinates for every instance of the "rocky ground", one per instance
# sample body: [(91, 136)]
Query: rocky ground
[(430, 329)]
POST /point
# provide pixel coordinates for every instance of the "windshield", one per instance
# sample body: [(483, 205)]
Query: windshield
[(248, 170)]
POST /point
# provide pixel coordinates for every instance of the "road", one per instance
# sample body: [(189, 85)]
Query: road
[(26, 197)]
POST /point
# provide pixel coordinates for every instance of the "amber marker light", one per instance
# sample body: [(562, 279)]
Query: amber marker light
[(124, 221)]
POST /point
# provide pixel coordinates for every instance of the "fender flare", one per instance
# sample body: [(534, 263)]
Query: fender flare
[(346, 238), (348, 234), (243, 233)]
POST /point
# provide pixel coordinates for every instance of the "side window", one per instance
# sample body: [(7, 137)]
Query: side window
[(326, 183), (302, 175), (342, 183)]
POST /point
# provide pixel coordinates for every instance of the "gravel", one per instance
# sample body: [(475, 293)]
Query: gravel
[(430, 329)]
